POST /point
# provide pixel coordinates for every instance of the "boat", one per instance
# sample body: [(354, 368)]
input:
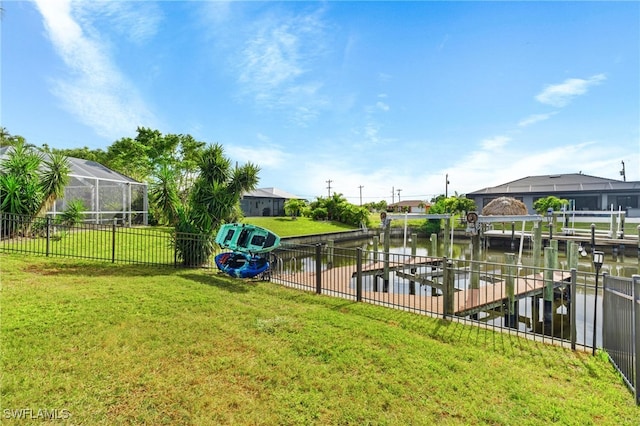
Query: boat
[(241, 265), (245, 238)]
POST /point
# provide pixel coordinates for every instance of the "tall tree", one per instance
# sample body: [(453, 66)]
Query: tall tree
[(53, 179), (213, 200), (20, 191), (163, 196), (31, 182)]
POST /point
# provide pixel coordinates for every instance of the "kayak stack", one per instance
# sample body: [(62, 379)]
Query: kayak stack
[(249, 245)]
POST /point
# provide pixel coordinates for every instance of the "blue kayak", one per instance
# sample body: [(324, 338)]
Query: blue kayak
[(245, 238), (241, 265)]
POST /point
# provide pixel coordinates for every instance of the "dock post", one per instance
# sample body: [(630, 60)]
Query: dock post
[(572, 255), (434, 245), (448, 277), (446, 242), (548, 286), (511, 314), (330, 247), (359, 275), (475, 261), (387, 243), (554, 246), (414, 250), (537, 245), (376, 243), (513, 235)]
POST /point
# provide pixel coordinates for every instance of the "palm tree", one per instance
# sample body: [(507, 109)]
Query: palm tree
[(163, 195), (53, 179), (213, 200), (20, 191)]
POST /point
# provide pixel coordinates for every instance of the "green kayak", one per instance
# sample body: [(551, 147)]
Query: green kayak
[(246, 238)]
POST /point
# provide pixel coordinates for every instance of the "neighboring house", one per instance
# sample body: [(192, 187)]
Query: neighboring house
[(105, 193), (409, 206), (584, 192), (265, 202)]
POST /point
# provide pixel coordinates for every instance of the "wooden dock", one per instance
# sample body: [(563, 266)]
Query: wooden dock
[(339, 281)]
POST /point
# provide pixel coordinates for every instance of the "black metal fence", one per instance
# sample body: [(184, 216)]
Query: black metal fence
[(106, 242), (541, 303), (621, 332), (550, 305)]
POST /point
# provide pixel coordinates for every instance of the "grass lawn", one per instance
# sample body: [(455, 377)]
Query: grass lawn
[(288, 227), (126, 344)]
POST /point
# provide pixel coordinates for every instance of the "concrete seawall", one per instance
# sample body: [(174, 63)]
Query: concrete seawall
[(350, 235)]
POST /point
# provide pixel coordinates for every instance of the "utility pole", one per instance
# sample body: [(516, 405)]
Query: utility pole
[(623, 174), (446, 186), (360, 187), (398, 193), (393, 195), (329, 188)]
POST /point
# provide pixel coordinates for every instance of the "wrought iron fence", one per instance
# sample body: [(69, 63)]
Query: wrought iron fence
[(541, 303), (106, 242), (621, 328), (551, 305)]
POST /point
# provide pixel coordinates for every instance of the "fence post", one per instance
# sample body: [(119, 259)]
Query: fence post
[(636, 312), (113, 241), (572, 307), (48, 234), (359, 274), (318, 268)]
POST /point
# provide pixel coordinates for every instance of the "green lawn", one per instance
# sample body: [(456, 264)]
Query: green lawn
[(288, 227), (125, 344)]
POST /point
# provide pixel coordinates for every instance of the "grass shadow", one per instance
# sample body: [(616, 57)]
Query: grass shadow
[(232, 285)]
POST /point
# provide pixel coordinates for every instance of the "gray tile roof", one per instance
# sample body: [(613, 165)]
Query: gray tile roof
[(270, 193), (559, 183)]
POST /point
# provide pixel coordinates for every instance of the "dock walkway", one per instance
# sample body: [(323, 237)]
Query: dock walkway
[(340, 281)]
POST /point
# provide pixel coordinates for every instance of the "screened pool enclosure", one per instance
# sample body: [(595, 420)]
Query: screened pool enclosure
[(105, 194)]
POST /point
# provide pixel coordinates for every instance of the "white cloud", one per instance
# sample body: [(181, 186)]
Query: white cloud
[(382, 106), (269, 156), (275, 62), (559, 95), (495, 143), (535, 118), (94, 90), (134, 21)]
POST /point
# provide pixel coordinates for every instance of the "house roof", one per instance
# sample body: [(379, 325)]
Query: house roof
[(559, 183), (270, 193)]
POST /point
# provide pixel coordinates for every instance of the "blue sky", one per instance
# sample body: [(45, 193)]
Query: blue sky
[(375, 94)]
